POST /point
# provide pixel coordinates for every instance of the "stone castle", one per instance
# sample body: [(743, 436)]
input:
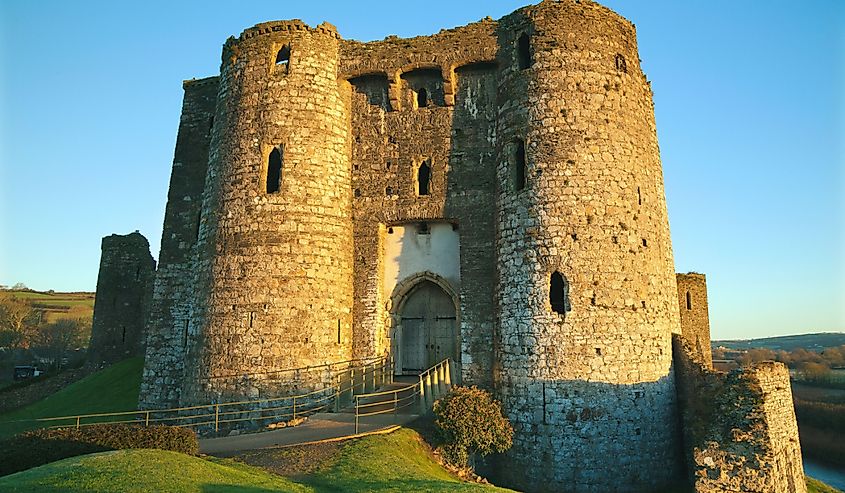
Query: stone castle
[(492, 193)]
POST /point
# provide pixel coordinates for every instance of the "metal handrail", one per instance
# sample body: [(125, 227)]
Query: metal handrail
[(300, 369), (441, 372), (222, 412)]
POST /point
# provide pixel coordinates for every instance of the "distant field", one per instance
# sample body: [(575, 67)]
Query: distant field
[(57, 306), (813, 342)]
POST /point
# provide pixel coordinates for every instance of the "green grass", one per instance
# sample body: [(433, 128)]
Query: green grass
[(816, 486), (146, 471), (396, 462), (113, 389)]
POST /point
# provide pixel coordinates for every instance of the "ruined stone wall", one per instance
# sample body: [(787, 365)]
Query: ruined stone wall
[(587, 383), (274, 269), (170, 313), (740, 432), (695, 321), (124, 288), (454, 132)]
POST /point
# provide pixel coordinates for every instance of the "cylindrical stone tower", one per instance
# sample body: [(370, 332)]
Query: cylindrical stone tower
[(274, 270), (586, 282)]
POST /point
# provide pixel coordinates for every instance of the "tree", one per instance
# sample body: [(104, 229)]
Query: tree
[(17, 322), (20, 287), (815, 372), (59, 337)]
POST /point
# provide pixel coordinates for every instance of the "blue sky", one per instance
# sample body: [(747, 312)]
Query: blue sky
[(750, 107)]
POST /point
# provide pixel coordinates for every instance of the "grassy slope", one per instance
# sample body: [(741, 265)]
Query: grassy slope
[(396, 462), (815, 486), (61, 305), (145, 471), (110, 390)]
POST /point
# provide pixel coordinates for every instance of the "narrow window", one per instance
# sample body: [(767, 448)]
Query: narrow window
[(422, 98), (559, 293), (519, 165), (423, 229), (197, 229), (423, 178), (338, 331), (251, 319), (138, 273), (639, 197), (185, 336), (621, 64), (523, 51), (123, 337), (689, 301), (283, 57), (274, 171)]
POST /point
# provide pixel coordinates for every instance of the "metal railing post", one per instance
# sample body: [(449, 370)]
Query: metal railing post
[(147, 419), (356, 415), (337, 394), (429, 399), (441, 378), (395, 402), (77, 421), (435, 385), (391, 369), (422, 397), (448, 375), (216, 418), (294, 407)]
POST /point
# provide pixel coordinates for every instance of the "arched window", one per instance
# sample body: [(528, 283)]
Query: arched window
[(274, 171), (689, 301), (424, 178), (283, 56), (523, 51), (422, 98), (518, 163), (559, 293)]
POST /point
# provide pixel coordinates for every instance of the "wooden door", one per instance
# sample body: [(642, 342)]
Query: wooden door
[(429, 328)]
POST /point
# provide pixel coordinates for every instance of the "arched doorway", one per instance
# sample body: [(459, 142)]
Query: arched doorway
[(428, 326)]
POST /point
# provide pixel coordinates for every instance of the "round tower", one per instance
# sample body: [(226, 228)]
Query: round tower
[(586, 286), (274, 269)]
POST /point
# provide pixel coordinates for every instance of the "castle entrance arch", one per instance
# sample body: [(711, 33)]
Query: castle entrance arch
[(427, 332)]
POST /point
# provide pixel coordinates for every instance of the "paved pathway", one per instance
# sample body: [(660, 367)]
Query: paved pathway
[(321, 426)]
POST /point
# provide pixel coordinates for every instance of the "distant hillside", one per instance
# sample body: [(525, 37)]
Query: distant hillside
[(815, 342), (56, 306)]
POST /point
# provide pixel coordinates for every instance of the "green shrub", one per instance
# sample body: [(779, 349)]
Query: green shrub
[(469, 421), (37, 447)]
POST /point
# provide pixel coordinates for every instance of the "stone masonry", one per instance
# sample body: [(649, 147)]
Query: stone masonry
[(695, 321), (739, 428), (493, 194), (124, 287)]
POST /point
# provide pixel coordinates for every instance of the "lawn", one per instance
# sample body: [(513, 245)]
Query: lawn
[(395, 462), (113, 389), (814, 486), (145, 471)]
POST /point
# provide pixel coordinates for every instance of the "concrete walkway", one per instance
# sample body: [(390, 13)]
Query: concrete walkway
[(319, 427)]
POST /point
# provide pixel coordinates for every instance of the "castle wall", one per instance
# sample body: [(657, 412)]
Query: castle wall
[(586, 378), (170, 313), (740, 432), (695, 321), (274, 270), (393, 135), (124, 288)]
